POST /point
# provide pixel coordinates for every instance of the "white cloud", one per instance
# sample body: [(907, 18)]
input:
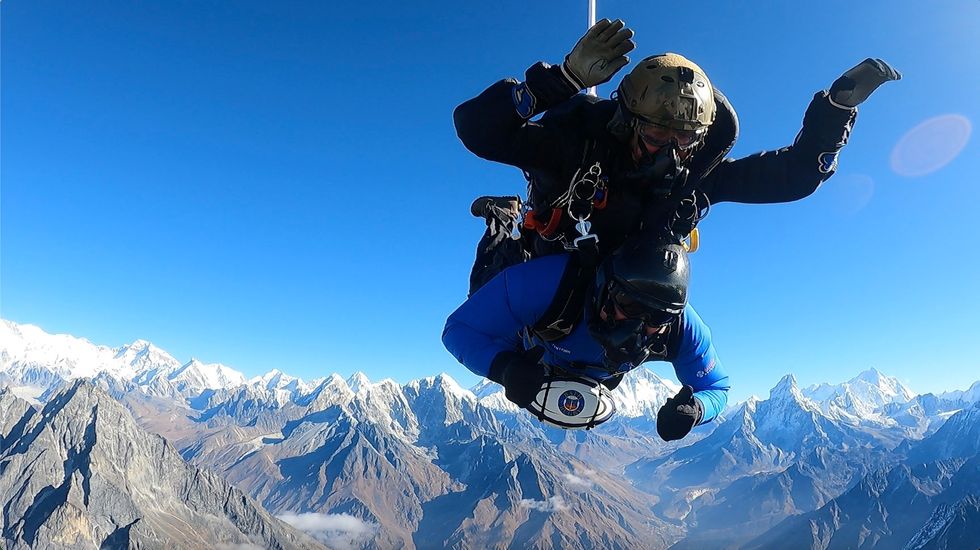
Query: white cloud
[(338, 531), (553, 504), (578, 482)]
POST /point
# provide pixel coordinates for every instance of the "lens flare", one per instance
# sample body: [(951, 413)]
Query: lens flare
[(850, 193), (931, 145)]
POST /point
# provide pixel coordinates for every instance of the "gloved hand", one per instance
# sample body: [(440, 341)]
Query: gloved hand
[(679, 415), (522, 376), (856, 85), (599, 54)]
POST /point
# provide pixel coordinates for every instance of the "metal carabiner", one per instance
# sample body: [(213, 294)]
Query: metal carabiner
[(584, 227)]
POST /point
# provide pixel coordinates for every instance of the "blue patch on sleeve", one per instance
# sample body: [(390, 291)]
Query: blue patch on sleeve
[(524, 100), (828, 162)]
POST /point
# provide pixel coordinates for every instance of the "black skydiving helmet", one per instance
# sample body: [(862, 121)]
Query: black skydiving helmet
[(647, 281)]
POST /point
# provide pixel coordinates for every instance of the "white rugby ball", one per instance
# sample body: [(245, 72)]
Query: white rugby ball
[(573, 403)]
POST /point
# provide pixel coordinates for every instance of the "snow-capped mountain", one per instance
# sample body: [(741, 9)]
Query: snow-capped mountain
[(926, 501), (970, 395), (861, 399), (31, 358), (35, 361), (431, 464), (770, 459)]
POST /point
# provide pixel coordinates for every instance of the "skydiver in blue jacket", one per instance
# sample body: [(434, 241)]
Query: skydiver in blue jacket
[(633, 310)]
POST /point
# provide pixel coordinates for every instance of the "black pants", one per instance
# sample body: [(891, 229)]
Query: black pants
[(497, 250)]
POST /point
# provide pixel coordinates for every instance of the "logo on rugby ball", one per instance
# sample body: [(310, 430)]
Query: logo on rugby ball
[(571, 403)]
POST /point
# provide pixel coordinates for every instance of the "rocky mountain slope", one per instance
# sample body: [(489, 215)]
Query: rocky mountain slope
[(429, 464), (926, 501), (79, 473)]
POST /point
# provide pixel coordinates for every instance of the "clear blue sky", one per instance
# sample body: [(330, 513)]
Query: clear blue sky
[(279, 185)]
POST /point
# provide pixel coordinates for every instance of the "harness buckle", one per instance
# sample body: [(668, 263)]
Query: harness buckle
[(584, 227)]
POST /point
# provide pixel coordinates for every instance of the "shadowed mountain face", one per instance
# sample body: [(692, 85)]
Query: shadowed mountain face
[(81, 474), (951, 526), (429, 464), (785, 456), (912, 505), (902, 507)]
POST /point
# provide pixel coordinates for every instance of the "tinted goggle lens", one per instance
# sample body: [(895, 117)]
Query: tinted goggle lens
[(635, 309), (659, 136)]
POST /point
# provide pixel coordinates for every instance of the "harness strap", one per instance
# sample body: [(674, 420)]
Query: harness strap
[(565, 310), (546, 229), (586, 193)]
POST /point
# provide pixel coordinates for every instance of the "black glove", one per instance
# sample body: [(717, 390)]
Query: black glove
[(856, 85), (521, 374), (679, 415), (599, 54)]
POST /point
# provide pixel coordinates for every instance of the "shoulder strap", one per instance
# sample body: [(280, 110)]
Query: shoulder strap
[(565, 310)]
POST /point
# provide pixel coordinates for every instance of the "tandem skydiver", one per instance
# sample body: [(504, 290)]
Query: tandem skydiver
[(654, 155), (649, 161)]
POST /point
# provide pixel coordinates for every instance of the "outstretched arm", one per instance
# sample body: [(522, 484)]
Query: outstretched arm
[(496, 124), (790, 173), (794, 172)]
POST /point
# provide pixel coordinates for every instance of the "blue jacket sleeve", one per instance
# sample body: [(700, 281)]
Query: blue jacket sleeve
[(491, 320), (697, 365)]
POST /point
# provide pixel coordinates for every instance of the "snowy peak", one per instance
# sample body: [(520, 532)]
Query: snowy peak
[(331, 391), (786, 389), (862, 398), (358, 382), (871, 376), (887, 388), (275, 379), (445, 383), (787, 398), (142, 356), (198, 376), (971, 395), (485, 388), (27, 348), (642, 392)]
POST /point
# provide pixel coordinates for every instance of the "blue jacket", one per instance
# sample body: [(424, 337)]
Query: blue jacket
[(493, 320)]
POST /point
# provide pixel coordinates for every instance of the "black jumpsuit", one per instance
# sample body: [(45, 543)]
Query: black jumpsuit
[(552, 150)]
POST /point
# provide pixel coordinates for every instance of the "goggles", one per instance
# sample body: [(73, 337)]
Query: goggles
[(658, 136), (634, 309)]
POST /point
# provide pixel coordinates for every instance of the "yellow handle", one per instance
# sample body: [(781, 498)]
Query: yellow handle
[(693, 241)]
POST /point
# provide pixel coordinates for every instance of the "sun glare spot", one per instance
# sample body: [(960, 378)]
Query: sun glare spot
[(852, 192), (931, 145)]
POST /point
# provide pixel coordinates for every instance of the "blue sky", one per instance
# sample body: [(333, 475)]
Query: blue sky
[(279, 185)]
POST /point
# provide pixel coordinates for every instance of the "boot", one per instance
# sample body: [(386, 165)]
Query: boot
[(505, 208)]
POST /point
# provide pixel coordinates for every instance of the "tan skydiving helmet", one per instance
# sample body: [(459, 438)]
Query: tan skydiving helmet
[(668, 97)]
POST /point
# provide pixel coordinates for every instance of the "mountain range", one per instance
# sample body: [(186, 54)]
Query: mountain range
[(429, 464)]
